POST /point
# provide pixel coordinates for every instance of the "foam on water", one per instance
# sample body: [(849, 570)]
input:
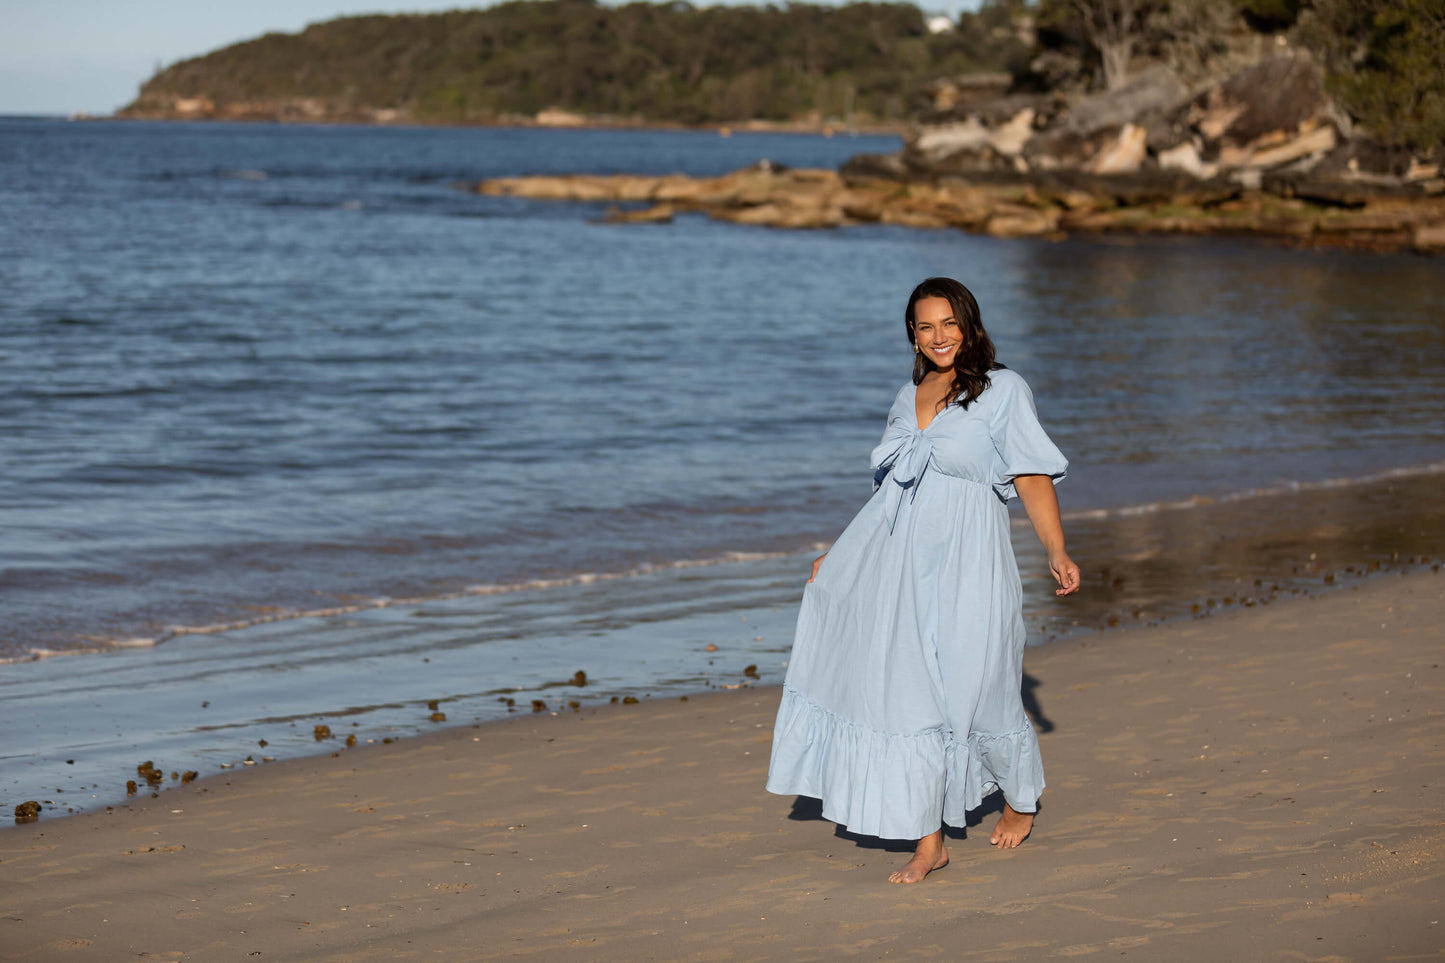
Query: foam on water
[(731, 557)]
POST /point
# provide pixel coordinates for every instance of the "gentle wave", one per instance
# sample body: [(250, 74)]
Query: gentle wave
[(382, 602), (1285, 488), (589, 578)]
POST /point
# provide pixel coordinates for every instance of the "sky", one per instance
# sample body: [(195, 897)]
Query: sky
[(69, 56), (91, 56)]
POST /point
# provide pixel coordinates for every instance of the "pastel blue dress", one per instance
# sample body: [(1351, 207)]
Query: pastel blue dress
[(901, 706)]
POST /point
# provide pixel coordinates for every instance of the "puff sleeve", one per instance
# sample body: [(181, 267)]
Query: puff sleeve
[(1021, 447)]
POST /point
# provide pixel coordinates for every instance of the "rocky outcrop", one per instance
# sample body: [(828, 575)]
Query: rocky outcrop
[(1270, 126), (1261, 151), (1048, 204), (762, 194)]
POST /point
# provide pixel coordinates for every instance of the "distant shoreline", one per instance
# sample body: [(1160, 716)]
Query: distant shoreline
[(756, 126)]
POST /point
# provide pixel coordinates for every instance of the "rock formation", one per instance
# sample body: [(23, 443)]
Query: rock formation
[(1260, 151), (1049, 204), (1268, 126)]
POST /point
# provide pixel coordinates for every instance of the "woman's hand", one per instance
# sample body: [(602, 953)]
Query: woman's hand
[(1042, 505), (819, 561), (1065, 572)]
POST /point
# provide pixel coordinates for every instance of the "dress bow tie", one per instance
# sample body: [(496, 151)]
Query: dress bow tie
[(900, 461)]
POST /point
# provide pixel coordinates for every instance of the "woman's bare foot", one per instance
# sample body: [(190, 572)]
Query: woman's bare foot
[(929, 855), (1012, 829)]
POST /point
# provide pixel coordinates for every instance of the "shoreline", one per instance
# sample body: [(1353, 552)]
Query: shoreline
[(1249, 783), (1106, 515), (723, 129), (207, 701), (342, 743)]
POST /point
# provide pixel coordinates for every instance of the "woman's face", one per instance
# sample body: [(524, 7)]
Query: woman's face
[(937, 332)]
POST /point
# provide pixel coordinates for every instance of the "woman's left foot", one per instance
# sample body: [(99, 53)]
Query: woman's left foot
[(1012, 829)]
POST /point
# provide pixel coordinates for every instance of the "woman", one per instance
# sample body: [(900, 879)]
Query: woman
[(902, 708)]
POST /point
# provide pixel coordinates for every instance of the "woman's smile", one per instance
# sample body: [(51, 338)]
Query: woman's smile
[(937, 332)]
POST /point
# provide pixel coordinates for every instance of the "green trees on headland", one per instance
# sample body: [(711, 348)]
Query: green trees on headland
[(676, 63), (659, 62), (1384, 60), (1385, 63)]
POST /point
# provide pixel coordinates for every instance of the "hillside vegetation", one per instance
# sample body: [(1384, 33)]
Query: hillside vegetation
[(676, 63), (657, 62)]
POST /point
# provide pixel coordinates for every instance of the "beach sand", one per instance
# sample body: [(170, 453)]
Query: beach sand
[(1263, 784)]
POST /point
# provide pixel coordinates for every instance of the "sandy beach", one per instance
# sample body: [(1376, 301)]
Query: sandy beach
[(1256, 785)]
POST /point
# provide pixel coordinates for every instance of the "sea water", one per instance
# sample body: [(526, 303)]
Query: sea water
[(296, 427)]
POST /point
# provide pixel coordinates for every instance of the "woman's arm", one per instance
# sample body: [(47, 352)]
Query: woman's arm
[(1042, 506)]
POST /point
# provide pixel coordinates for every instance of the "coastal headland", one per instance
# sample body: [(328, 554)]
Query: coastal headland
[(1263, 151), (1207, 118), (1260, 785)]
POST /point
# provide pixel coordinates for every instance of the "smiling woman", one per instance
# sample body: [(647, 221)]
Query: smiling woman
[(902, 705), (936, 326), (944, 324)]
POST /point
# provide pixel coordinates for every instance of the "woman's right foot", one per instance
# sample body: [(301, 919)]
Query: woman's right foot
[(929, 856)]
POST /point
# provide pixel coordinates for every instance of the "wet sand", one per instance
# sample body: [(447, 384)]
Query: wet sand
[(1259, 785), (78, 727)]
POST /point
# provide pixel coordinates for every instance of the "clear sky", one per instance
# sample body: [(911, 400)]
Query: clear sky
[(66, 56), (63, 56)]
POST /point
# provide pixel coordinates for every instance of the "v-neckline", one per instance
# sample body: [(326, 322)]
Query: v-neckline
[(936, 415)]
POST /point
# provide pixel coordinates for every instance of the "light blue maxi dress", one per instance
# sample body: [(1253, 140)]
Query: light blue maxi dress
[(901, 706)]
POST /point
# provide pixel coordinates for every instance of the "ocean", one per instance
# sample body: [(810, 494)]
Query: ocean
[(296, 428)]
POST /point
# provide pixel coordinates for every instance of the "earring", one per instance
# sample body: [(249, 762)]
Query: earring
[(915, 348)]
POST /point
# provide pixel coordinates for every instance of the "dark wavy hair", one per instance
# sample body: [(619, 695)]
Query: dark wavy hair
[(975, 357)]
